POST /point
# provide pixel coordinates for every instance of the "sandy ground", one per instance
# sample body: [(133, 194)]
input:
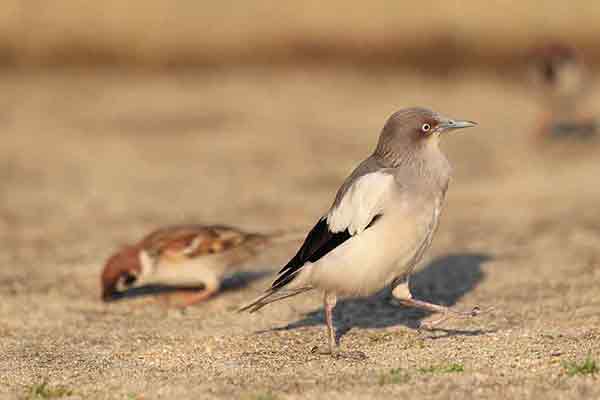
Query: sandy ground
[(90, 160)]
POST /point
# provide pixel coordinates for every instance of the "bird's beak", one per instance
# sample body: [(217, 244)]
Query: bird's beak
[(109, 289), (452, 124)]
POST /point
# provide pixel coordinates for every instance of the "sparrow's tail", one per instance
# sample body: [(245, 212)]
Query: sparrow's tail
[(286, 236), (256, 242), (271, 296)]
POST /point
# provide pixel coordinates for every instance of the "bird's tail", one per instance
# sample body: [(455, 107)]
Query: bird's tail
[(257, 242), (271, 296)]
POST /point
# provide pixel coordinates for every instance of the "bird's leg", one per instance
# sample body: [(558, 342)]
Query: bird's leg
[(188, 298), (332, 349), (329, 301), (543, 127), (447, 313), (402, 294)]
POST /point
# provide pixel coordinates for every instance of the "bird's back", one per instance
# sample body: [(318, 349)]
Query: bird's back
[(190, 254)]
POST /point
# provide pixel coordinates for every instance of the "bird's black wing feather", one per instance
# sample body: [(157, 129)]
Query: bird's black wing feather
[(319, 241)]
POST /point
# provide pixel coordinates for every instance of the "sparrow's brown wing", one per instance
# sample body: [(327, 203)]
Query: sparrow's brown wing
[(194, 240)]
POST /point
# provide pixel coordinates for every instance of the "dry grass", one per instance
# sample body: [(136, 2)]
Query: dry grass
[(425, 34)]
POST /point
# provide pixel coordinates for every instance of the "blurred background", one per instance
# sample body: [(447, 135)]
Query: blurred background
[(156, 33)]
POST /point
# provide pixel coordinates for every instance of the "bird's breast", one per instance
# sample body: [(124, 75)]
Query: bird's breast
[(193, 271), (370, 260)]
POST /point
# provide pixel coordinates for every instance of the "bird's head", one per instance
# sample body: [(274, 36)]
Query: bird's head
[(412, 129), (553, 57), (122, 267)]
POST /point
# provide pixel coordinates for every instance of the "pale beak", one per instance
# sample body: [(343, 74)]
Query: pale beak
[(451, 124)]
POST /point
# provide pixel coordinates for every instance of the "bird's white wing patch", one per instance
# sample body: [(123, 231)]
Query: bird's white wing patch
[(362, 201)]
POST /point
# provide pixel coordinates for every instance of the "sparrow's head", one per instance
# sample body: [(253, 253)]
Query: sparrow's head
[(413, 129), (122, 267), (553, 58)]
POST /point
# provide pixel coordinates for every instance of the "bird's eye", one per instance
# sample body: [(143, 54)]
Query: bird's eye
[(425, 127)]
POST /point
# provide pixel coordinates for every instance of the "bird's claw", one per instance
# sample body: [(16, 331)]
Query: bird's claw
[(474, 312), (478, 311)]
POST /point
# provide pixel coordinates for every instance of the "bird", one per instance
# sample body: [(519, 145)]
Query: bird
[(380, 224), (183, 256), (562, 80)]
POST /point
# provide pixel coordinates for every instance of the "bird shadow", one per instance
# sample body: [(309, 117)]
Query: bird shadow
[(236, 281), (443, 281)]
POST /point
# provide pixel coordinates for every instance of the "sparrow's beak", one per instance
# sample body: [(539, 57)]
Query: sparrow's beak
[(452, 124), (109, 289)]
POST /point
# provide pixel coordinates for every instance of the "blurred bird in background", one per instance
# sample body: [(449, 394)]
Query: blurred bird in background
[(562, 81), (183, 257)]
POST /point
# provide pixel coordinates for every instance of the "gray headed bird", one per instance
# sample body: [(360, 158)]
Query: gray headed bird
[(381, 222)]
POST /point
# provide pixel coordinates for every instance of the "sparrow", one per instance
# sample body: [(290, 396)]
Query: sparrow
[(381, 222), (562, 81), (183, 256)]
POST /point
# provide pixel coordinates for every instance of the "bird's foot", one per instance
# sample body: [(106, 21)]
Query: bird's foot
[(446, 312), (337, 354), (183, 299), (449, 313)]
